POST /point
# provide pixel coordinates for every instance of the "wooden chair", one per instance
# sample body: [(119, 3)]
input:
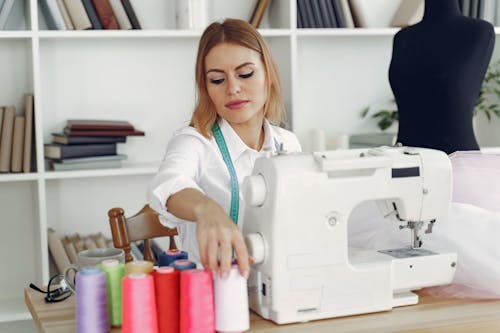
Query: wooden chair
[(144, 225)]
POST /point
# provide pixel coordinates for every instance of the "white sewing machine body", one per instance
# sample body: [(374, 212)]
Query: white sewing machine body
[(296, 229)]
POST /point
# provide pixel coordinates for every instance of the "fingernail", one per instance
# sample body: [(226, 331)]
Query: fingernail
[(245, 274)]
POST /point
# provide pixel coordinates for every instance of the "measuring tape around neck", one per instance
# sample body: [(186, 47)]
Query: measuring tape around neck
[(235, 188)]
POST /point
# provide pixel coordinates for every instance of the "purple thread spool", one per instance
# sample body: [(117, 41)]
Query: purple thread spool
[(167, 257), (183, 264), (91, 302)]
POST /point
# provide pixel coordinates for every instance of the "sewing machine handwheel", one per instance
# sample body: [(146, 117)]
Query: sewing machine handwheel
[(256, 247), (254, 190)]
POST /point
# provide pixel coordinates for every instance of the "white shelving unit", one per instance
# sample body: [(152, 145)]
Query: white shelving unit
[(147, 77)]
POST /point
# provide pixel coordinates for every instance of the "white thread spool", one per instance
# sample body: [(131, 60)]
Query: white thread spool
[(231, 303), (191, 14), (340, 141), (318, 141)]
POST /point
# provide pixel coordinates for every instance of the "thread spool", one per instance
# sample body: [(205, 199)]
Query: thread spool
[(167, 289), (231, 303), (196, 304), (318, 141), (91, 302), (183, 264), (167, 257), (139, 266), (139, 305), (114, 274)]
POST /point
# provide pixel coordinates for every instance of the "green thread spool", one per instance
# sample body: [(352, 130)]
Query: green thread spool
[(114, 274)]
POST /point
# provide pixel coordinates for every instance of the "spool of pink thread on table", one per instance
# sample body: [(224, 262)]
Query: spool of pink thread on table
[(197, 302), (139, 305)]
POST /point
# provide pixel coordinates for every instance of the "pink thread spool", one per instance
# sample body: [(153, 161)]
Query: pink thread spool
[(139, 305), (231, 302), (197, 304)]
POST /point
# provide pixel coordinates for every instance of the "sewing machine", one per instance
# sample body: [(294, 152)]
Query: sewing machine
[(295, 228)]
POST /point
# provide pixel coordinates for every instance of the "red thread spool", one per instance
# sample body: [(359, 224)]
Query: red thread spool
[(139, 305), (197, 302), (167, 299)]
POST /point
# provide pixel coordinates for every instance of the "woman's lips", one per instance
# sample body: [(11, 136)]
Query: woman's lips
[(237, 104)]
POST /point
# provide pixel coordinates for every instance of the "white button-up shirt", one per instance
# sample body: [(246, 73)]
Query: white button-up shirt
[(193, 161)]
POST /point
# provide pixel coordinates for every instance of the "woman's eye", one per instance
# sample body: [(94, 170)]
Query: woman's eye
[(246, 75), (216, 81)]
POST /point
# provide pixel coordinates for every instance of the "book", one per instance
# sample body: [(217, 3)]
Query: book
[(346, 10), (56, 151), (1, 120), (258, 12), (302, 13), (5, 11), (117, 157), (309, 14), (338, 13), (318, 17), (98, 124), (53, 15), (487, 10), (103, 132), (120, 14), (129, 9), (65, 15), (29, 137), (92, 14), (16, 161), (105, 13), (77, 140), (466, 7), (78, 14), (56, 166), (328, 21), (372, 139), (473, 8), (57, 250), (408, 13), (6, 140)]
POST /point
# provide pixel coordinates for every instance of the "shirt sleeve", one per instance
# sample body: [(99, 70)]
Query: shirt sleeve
[(180, 169)]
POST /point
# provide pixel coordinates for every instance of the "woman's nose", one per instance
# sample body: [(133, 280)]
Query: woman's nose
[(233, 86)]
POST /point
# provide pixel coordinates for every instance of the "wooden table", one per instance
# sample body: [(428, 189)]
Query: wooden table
[(430, 315)]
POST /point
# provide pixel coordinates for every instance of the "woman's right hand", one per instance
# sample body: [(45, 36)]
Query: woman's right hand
[(217, 236)]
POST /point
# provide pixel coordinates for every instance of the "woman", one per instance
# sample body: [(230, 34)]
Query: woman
[(197, 186)]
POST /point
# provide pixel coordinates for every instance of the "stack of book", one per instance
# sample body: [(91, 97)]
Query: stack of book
[(370, 140), (16, 138), (358, 13), (88, 144), (90, 14)]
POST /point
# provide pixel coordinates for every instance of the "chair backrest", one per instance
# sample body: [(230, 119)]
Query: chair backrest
[(144, 225)]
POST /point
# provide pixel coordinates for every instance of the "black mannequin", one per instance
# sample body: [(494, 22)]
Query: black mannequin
[(436, 72)]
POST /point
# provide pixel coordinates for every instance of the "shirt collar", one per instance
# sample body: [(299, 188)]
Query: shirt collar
[(236, 146)]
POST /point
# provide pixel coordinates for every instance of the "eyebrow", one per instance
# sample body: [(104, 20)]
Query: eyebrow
[(238, 67)]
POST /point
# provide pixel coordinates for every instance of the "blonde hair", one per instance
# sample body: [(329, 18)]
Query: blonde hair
[(241, 33)]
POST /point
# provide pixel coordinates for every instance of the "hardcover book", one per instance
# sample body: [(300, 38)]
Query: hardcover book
[(78, 140), (120, 14), (70, 132), (16, 162), (29, 137), (129, 9), (78, 14), (105, 13), (56, 151), (97, 124), (92, 14), (6, 140)]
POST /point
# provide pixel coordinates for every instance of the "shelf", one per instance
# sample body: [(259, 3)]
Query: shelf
[(128, 169), (348, 32), (15, 34), (16, 177), (13, 310)]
